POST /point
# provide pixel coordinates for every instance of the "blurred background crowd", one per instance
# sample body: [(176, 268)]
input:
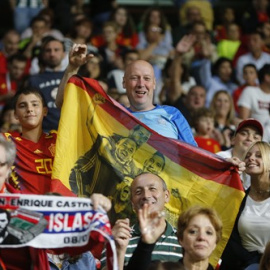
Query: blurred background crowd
[(222, 78)]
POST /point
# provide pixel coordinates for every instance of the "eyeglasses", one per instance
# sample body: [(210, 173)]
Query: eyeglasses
[(2, 164)]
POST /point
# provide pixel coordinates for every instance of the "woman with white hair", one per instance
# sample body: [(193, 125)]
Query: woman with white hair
[(7, 158)]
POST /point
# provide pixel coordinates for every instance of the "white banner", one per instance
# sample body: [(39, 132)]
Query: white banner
[(52, 222)]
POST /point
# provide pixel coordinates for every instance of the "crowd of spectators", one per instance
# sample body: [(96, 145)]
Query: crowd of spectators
[(215, 71), (224, 55)]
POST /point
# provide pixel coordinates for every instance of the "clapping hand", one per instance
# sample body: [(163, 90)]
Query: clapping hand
[(150, 224)]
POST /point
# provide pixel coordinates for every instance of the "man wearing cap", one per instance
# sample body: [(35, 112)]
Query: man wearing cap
[(247, 132)]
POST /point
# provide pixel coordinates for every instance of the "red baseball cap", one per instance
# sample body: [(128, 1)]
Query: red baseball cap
[(250, 122)]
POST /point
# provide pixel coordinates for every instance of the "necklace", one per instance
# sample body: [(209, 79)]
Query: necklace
[(260, 194), (259, 191)]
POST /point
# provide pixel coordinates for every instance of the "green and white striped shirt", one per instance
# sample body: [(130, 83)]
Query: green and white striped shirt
[(167, 248)]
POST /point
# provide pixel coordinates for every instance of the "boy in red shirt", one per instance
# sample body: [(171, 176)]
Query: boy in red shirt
[(35, 149)]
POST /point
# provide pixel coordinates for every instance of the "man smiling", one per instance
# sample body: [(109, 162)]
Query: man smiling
[(139, 82), (155, 164), (124, 150), (146, 189)]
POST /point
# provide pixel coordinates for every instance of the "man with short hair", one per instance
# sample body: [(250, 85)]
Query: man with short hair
[(247, 132), (11, 41), (140, 83), (254, 101), (52, 54), (255, 55), (146, 188)]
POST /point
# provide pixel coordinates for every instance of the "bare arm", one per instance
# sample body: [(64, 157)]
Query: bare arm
[(122, 233), (244, 112), (146, 54), (77, 57), (175, 87), (175, 90)]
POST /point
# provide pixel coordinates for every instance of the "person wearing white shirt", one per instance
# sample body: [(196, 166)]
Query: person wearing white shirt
[(255, 56), (247, 132)]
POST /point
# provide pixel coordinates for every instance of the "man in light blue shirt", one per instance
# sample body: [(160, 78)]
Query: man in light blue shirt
[(139, 82)]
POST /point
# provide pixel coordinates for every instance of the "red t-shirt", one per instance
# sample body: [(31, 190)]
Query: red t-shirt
[(6, 85), (131, 42), (210, 145), (33, 164), (4, 68), (236, 94), (3, 63)]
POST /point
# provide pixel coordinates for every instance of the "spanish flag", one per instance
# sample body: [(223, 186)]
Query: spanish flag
[(101, 147)]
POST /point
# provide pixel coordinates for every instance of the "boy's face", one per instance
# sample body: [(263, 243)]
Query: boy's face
[(244, 138), (250, 75), (29, 111), (205, 125)]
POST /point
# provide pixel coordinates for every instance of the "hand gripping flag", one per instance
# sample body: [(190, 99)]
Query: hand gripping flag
[(101, 147), (59, 224)]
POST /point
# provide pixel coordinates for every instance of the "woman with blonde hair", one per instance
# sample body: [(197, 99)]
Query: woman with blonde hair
[(251, 230), (224, 116)]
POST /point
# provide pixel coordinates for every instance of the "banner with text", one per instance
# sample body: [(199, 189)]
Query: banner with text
[(57, 223)]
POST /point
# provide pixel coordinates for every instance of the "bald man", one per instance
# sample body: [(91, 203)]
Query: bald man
[(139, 82)]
